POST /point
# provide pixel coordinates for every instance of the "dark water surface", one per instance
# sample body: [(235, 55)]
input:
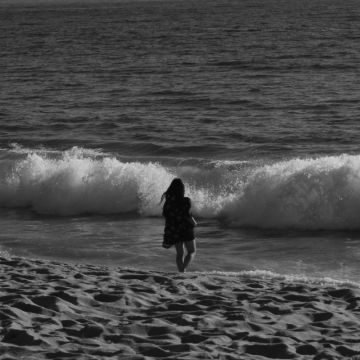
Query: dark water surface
[(255, 104), (233, 79)]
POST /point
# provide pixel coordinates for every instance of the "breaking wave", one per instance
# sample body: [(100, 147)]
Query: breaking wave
[(316, 193)]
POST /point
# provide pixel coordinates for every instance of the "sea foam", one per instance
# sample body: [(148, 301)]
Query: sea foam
[(317, 193), (75, 183), (265, 274), (320, 193)]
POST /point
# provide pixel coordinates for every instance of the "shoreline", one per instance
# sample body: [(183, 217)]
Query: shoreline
[(53, 310)]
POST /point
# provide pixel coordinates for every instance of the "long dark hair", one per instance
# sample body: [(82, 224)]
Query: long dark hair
[(176, 190)]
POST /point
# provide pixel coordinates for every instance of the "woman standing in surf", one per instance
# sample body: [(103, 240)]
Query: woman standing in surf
[(179, 224)]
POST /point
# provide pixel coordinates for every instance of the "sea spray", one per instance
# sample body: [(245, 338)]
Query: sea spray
[(321, 193), (315, 193), (78, 184)]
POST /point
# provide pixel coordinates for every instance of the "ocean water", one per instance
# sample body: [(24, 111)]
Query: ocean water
[(254, 104)]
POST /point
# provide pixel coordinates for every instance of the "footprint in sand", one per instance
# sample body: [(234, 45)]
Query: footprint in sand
[(273, 351), (104, 297), (21, 338)]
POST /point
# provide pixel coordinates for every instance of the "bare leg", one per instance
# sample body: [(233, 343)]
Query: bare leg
[(191, 251), (180, 256)]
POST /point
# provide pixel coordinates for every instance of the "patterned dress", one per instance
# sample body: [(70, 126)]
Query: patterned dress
[(178, 224)]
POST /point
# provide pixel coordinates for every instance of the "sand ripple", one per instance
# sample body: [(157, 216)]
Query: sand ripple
[(60, 311)]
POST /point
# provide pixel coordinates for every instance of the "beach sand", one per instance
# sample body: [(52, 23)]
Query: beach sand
[(51, 310)]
